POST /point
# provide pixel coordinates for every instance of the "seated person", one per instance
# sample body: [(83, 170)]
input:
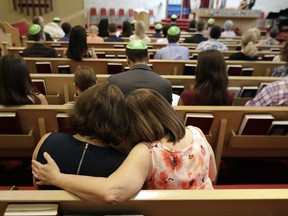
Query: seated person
[(54, 29), (213, 42), (164, 31), (99, 119), (228, 29), (248, 50), (198, 37), (274, 94), (16, 86), (84, 78), (38, 49), (173, 51), (67, 29), (140, 32), (192, 26), (112, 30), (211, 86), (281, 71), (40, 21), (140, 74), (93, 35), (270, 38), (158, 29)]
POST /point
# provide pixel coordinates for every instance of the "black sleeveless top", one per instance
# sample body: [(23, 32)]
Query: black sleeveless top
[(68, 152)]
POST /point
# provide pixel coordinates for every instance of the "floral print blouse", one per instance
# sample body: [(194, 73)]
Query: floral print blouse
[(181, 169)]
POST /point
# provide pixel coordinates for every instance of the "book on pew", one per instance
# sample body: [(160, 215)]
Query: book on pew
[(177, 89), (193, 57), (114, 68), (262, 85), (63, 124), (268, 57), (247, 71), (43, 67), (40, 85), (120, 46), (35, 209), (279, 128), (235, 89), (121, 56), (56, 45), (100, 54), (234, 70), (126, 68), (10, 123), (64, 69), (151, 66), (200, 120), (255, 124), (189, 69), (110, 56), (248, 91)]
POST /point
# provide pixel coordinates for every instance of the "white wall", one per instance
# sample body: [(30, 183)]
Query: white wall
[(263, 5), (158, 6)]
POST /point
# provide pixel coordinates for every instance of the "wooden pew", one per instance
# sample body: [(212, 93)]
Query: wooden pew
[(60, 88), (256, 202), (162, 67)]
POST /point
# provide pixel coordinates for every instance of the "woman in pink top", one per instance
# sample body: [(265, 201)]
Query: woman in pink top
[(93, 35), (167, 156)]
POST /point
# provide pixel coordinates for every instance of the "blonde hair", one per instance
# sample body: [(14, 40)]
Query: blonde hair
[(93, 29), (140, 29), (249, 39)]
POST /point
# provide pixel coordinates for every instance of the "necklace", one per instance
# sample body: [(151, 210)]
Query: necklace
[(82, 157)]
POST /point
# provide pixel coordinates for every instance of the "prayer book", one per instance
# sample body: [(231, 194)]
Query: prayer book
[(200, 120), (279, 128), (247, 71), (64, 69), (40, 85), (255, 124), (10, 123), (248, 91), (63, 124), (43, 67), (177, 89), (114, 68), (234, 70), (189, 69)]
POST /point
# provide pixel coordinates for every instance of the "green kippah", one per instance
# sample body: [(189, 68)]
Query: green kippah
[(173, 30), (57, 19), (34, 29), (174, 16), (211, 21), (137, 45), (158, 26)]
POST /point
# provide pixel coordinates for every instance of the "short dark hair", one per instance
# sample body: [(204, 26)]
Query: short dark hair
[(165, 29), (100, 113), (136, 55), (173, 38), (112, 28), (215, 32), (200, 25), (192, 23), (66, 27), (84, 77)]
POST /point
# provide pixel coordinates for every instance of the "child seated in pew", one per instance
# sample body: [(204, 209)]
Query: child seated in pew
[(211, 82), (16, 87), (100, 122), (166, 156)]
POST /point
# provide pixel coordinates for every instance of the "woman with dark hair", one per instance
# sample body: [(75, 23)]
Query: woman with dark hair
[(167, 155), (282, 71), (78, 48), (16, 87), (211, 82), (103, 28), (100, 121), (127, 30)]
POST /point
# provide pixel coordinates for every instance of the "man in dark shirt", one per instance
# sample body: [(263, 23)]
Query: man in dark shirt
[(140, 74), (198, 36), (38, 49), (112, 30)]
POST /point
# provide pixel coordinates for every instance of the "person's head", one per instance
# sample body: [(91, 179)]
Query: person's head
[(192, 24), (211, 78), (228, 25), (173, 34), (284, 52), (200, 25), (273, 32), (112, 28), (38, 20), (248, 40), (136, 52), (140, 29), (77, 43), (84, 77), (174, 17), (211, 22), (215, 32), (66, 28), (100, 113), (103, 27), (57, 20), (256, 32), (127, 30), (15, 81), (158, 27), (35, 32), (93, 30), (165, 29), (148, 123)]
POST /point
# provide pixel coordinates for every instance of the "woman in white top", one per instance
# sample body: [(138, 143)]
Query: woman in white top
[(139, 33)]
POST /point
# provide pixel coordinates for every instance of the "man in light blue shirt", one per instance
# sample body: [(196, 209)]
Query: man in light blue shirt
[(173, 51)]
